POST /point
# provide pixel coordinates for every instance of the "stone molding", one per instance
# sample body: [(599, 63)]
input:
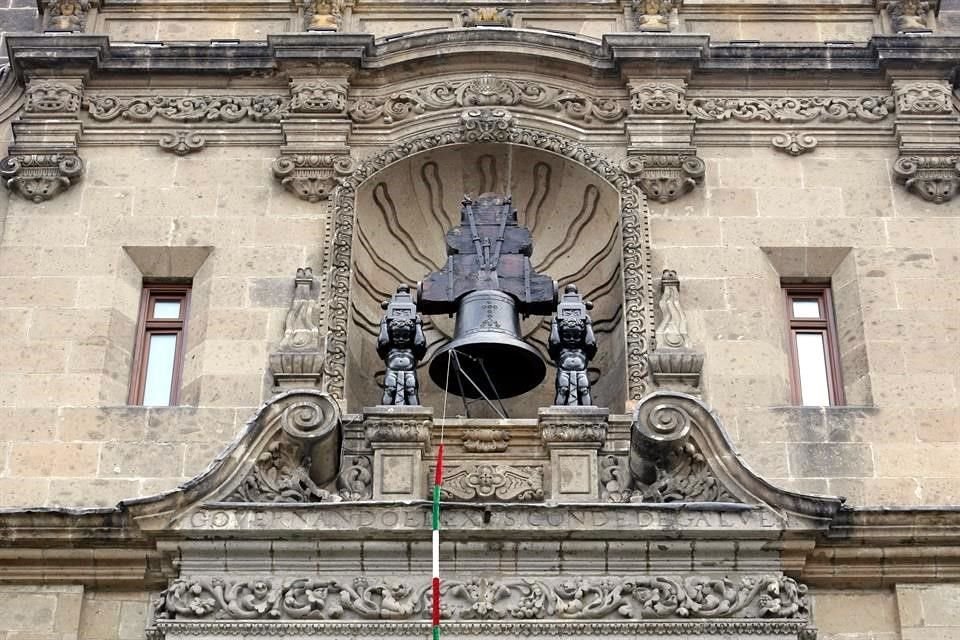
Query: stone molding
[(769, 597), (486, 91), (569, 426), (495, 125)]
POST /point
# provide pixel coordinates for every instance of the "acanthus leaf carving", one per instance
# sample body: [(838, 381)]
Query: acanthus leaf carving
[(791, 109), (261, 108), (794, 143), (41, 176), (182, 142), (280, 475), (355, 481), (485, 91), (934, 178), (771, 597), (483, 482), (681, 475)]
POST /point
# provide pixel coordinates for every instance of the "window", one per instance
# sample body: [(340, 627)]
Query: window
[(158, 354), (815, 360)]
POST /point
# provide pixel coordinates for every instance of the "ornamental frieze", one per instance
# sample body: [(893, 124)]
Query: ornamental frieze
[(645, 597), (265, 108), (486, 91), (792, 109)]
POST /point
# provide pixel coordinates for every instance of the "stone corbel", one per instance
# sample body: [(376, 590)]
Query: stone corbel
[(298, 361), (910, 16), (674, 364), (661, 157), (316, 131), (927, 127), (43, 160)]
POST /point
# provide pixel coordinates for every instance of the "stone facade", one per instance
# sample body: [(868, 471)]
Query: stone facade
[(677, 160)]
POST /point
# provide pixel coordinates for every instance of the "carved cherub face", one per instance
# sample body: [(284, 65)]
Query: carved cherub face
[(571, 331), (401, 331)]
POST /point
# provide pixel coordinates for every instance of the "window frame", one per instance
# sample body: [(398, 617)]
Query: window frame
[(826, 326), (147, 326)]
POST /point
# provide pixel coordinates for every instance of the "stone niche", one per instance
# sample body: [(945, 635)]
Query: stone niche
[(403, 213)]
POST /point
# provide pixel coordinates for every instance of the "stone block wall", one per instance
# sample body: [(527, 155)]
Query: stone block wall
[(40, 612), (892, 260)]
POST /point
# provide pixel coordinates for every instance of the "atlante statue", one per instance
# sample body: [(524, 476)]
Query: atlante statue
[(572, 346), (401, 345)]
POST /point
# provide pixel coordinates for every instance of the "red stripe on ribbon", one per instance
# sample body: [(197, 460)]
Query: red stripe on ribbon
[(436, 602)]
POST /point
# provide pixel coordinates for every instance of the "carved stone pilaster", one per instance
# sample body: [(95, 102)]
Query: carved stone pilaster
[(316, 131), (43, 160), (572, 435), (911, 16), (927, 127), (655, 15), (298, 361), (67, 15), (674, 364), (661, 156), (399, 437)]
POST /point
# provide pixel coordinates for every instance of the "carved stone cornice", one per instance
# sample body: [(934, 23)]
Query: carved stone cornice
[(408, 426), (773, 598), (486, 91), (935, 178), (573, 426), (664, 177)]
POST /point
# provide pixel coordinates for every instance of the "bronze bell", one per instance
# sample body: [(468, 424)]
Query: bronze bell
[(488, 282), (491, 359)]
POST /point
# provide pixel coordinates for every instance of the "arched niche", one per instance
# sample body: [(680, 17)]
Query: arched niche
[(589, 227)]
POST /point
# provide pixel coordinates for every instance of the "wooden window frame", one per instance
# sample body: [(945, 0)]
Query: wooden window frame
[(826, 326), (148, 326)]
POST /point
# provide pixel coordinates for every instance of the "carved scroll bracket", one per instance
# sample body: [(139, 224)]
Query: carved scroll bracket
[(664, 177), (43, 160)]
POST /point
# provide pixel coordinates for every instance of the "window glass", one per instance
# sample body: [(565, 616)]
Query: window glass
[(166, 310), (161, 359), (812, 365), (806, 308)]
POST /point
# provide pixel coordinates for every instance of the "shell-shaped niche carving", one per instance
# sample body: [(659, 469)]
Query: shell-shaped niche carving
[(403, 214)]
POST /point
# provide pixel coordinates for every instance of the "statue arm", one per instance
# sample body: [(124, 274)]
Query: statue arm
[(383, 340)]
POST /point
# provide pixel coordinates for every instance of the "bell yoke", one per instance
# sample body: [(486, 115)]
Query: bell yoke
[(487, 282)]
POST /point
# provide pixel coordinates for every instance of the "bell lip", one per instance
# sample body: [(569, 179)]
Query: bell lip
[(528, 358)]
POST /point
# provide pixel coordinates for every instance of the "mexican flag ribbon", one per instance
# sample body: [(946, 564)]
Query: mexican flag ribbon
[(437, 482)]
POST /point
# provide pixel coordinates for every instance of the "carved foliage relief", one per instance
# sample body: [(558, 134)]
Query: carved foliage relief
[(644, 597)]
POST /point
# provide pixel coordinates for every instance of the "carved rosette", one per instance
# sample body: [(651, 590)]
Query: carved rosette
[(47, 97), (311, 177), (794, 143), (182, 142), (934, 178), (779, 604), (665, 177), (42, 176), (659, 98), (487, 17), (318, 96), (492, 482), (923, 99)]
